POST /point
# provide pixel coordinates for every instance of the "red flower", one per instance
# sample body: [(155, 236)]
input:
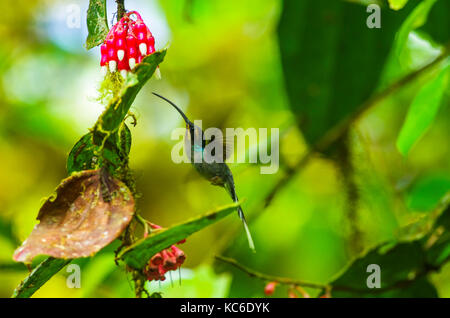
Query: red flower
[(169, 259), (128, 41)]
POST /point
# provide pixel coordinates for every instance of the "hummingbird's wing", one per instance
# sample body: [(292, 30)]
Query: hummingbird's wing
[(228, 147), (219, 148)]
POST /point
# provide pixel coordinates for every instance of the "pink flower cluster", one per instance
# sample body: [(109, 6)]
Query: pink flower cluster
[(168, 259), (126, 44)]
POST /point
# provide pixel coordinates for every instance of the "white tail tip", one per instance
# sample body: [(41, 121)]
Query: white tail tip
[(120, 54), (143, 49), (112, 66), (249, 237), (132, 63)]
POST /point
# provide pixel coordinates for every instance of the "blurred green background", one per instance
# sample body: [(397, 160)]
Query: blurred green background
[(225, 66)]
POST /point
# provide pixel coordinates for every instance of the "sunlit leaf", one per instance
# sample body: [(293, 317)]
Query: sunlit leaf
[(427, 192), (438, 24), (138, 254), (416, 19), (87, 212), (97, 23), (423, 110), (397, 4)]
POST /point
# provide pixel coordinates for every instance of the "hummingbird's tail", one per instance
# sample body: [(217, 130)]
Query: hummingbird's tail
[(247, 230), (230, 187)]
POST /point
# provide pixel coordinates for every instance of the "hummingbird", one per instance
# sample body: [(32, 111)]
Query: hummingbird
[(218, 173)]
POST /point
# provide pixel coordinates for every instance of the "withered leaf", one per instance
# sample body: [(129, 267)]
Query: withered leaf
[(87, 212)]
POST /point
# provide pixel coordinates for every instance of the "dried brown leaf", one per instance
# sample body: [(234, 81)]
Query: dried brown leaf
[(87, 212)]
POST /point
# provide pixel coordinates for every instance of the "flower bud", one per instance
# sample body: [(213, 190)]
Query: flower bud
[(132, 63), (104, 49), (104, 60), (270, 288), (112, 66), (143, 49), (120, 31), (157, 259), (122, 65), (132, 51), (179, 255)]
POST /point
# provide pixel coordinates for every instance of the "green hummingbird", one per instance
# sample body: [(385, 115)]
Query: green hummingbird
[(218, 173)]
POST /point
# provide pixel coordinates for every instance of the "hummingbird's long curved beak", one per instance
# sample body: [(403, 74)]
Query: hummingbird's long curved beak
[(188, 122)]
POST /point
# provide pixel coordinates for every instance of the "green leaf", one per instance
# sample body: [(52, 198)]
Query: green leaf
[(426, 194), (439, 252), (392, 270), (39, 276), (97, 23), (331, 60), (416, 19), (85, 155), (124, 143), (423, 110), (138, 254), (118, 108), (397, 4), (396, 276), (82, 156), (438, 25), (399, 278)]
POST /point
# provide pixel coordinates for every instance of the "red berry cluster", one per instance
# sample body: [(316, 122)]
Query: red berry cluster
[(168, 259), (126, 44)]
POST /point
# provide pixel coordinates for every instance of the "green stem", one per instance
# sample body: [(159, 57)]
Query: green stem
[(120, 9), (324, 287), (270, 278)]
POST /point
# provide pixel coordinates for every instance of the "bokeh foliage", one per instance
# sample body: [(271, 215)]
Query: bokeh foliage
[(246, 64)]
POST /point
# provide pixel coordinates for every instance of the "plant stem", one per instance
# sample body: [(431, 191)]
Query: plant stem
[(120, 9), (326, 287), (270, 278)]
